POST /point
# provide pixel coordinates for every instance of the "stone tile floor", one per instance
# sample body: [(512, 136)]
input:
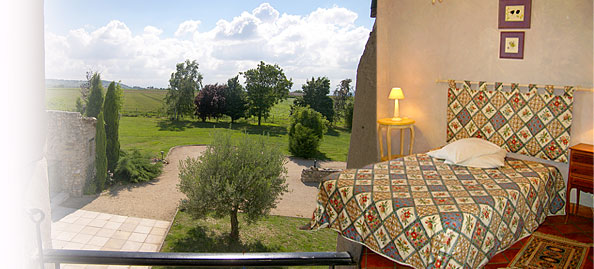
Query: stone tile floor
[(82, 229)]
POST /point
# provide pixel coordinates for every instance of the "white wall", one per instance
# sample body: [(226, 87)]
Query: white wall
[(23, 183), (419, 43)]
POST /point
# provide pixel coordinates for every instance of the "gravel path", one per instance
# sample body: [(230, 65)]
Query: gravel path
[(159, 199)]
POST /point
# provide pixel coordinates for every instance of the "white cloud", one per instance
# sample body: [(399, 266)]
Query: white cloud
[(326, 42), (187, 27)]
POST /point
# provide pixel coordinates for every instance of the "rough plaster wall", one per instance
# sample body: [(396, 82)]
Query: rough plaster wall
[(363, 145), (419, 43), (70, 151)]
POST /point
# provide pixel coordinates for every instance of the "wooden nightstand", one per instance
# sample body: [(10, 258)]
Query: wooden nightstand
[(388, 123), (580, 173)]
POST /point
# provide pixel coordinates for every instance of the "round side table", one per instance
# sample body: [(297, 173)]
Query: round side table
[(389, 124)]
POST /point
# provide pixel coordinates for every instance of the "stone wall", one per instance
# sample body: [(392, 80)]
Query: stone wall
[(70, 152), (315, 175), (363, 148)]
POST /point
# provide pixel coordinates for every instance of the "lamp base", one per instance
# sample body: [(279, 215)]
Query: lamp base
[(397, 119)]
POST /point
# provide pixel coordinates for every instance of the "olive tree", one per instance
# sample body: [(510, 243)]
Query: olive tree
[(248, 176)]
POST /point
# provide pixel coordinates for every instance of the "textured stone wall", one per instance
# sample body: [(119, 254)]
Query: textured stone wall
[(363, 146), (70, 151), (315, 175)]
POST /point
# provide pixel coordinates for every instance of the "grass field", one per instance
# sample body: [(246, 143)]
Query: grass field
[(154, 134), (270, 234), (135, 101)]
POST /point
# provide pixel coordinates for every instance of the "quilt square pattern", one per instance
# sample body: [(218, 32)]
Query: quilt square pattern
[(462, 219), (528, 123)]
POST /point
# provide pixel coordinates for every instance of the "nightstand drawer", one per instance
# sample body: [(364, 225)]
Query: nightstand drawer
[(581, 158), (583, 171), (581, 181)]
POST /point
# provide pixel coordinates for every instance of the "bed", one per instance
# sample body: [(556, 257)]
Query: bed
[(421, 212), (425, 213)]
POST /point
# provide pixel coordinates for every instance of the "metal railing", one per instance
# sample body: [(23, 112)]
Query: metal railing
[(59, 256), (263, 259)]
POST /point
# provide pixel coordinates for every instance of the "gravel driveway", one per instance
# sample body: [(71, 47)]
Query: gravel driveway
[(159, 199)]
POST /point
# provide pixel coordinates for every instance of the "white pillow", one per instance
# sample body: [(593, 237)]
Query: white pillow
[(494, 160), (465, 149)]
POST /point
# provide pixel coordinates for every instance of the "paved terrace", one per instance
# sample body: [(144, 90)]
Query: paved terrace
[(137, 217)]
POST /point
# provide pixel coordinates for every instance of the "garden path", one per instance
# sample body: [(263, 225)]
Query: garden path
[(160, 198)]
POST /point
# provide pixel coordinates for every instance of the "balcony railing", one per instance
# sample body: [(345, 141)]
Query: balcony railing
[(263, 259), (59, 256)]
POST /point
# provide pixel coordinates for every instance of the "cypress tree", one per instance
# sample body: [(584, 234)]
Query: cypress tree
[(100, 157), (112, 123), (95, 97)]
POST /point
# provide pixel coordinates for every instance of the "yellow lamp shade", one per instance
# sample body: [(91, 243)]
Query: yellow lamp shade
[(396, 93)]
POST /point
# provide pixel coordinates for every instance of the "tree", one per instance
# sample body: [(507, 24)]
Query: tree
[(183, 84), (111, 110), (85, 89), (316, 96), (100, 154), (342, 95), (95, 97), (228, 178), (266, 85), (210, 101), (348, 117), (235, 99), (305, 132)]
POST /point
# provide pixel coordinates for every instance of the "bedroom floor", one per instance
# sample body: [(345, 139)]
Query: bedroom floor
[(578, 228)]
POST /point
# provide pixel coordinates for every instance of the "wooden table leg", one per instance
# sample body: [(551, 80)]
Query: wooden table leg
[(389, 138), (381, 143), (401, 141), (412, 140), (577, 201), (567, 196)]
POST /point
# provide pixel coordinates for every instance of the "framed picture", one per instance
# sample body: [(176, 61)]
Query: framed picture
[(514, 14), (511, 45)]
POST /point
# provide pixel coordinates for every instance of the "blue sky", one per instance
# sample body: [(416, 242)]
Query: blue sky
[(139, 42)]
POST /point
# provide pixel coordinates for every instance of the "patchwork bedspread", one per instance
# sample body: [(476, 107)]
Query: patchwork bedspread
[(421, 212)]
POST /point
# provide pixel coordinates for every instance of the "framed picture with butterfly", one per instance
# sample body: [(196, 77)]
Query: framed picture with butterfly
[(514, 14)]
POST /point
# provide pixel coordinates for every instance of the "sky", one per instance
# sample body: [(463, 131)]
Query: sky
[(140, 42)]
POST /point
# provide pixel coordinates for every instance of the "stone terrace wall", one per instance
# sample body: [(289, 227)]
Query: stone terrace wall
[(315, 175), (70, 152)]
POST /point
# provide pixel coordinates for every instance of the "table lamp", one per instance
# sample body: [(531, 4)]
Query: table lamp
[(395, 94)]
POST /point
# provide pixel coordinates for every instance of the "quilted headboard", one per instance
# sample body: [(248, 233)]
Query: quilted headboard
[(529, 122)]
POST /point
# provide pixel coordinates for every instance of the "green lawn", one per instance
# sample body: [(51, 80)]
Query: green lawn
[(152, 135), (270, 234)]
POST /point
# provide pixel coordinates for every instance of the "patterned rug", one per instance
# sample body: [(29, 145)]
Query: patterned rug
[(549, 251)]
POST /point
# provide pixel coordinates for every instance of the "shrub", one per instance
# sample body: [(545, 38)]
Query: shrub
[(305, 132), (248, 176), (303, 142), (134, 167)]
